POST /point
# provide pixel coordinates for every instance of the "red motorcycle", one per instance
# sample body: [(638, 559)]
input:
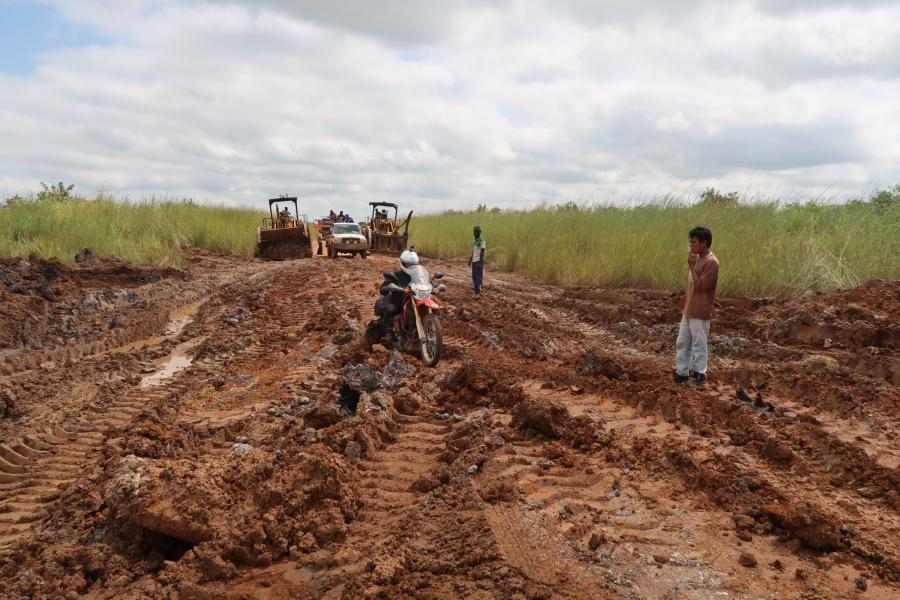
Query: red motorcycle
[(419, 320)]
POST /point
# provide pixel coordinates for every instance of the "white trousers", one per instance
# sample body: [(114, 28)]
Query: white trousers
[(691, 351)]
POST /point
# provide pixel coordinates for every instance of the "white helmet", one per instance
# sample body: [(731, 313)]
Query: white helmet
[(408, 260)]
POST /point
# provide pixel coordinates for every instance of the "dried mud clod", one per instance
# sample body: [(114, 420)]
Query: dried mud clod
[(815, 529), (476, 385), (551, 420), (249, 510), (596, 364), (7, 404)]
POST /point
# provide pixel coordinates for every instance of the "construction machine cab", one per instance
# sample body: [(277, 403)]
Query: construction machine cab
[(280, 216), (384, 231), (382, 215)]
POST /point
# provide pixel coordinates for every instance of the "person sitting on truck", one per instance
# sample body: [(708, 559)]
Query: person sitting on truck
[(283, 216)]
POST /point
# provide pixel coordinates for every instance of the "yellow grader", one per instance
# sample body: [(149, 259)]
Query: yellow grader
[(384, 231), (283, 234)]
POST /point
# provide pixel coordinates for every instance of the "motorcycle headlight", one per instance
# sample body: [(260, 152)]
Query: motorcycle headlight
[(422, 291)]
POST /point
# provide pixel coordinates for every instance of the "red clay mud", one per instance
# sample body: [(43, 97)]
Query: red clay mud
[(549, 455)]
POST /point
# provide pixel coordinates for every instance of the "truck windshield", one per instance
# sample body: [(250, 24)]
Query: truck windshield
[(346, 228)]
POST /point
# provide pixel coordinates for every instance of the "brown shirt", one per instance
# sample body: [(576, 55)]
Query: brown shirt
[(701, 294)]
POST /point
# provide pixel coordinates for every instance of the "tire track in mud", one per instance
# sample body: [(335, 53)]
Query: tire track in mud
[(634, 424), (680, 482), (420, 523), (392, 479), (39, 465), (815, 453)]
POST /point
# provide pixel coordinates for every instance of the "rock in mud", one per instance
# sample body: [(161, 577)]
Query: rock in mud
[(596, 364), (324, 413), (353, 451), (214, 566), (361, 377), (7, 405), (597, 540), (397, 371), (808, 524), (778, 453), (83, 255), (747, 560), (241, 448)]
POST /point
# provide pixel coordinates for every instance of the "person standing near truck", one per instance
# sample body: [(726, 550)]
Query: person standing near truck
[(691, 351), (476, 260)]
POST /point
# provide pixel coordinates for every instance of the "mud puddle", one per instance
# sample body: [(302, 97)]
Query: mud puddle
[(179, 359), (181, 318), (181, 356), (178, 319)]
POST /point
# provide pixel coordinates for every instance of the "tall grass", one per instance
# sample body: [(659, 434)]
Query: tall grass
[(148, 232), (764, 248)]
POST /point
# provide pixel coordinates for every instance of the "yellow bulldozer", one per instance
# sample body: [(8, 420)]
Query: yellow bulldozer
[(386, 234), (283, 234)]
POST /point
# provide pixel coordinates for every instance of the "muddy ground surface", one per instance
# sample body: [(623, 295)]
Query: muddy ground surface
[(221, 432)]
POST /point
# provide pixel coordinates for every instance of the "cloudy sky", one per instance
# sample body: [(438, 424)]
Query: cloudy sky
[(452, 103)]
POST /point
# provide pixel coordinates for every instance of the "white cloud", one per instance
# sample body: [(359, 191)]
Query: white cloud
[(505, 103)]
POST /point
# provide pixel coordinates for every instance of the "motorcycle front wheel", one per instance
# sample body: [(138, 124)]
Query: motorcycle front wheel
[(433, 343)]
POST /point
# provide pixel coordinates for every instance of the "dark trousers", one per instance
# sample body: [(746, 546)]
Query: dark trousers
[(477, 275), (387, 307)]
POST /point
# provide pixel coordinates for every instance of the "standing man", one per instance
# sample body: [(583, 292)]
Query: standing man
[(703, 273), (476, 259)]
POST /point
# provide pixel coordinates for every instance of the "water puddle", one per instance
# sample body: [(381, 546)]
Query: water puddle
[(182, 317), (178, 319), (179, 359), (181, 356)]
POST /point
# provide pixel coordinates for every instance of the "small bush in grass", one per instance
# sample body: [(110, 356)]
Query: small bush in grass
[(55, 193)]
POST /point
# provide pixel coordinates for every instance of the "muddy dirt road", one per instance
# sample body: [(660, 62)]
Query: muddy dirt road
[(220, 432)]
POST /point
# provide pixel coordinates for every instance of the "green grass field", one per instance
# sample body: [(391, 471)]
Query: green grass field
[(149, 232), (763, 248)]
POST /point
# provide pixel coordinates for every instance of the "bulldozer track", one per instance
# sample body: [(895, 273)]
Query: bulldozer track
[(35, 467)]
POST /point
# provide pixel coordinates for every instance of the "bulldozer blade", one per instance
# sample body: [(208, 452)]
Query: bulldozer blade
[(283, 251)]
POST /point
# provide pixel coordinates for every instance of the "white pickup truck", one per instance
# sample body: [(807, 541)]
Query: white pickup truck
[(347, 238)]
